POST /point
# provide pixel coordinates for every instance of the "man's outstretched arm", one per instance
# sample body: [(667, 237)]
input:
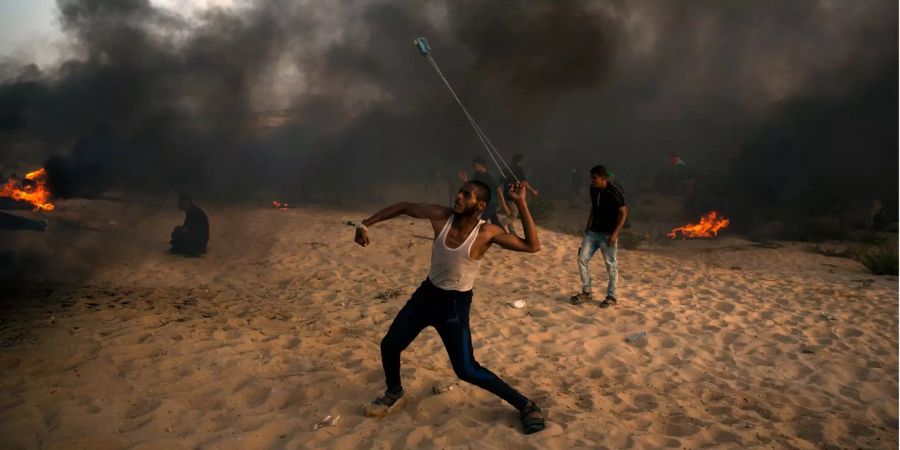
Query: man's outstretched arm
[(434, 213), (530, 188), (509, 241)]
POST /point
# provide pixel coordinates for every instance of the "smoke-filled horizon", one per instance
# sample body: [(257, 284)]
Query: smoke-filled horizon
[(292, 97)]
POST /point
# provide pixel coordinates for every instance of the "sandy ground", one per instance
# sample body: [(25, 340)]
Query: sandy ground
[(124, 346)]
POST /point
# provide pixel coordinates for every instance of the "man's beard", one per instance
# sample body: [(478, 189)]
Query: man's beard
[(468, 212)]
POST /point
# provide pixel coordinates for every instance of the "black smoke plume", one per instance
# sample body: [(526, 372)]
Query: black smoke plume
[(332, 96)]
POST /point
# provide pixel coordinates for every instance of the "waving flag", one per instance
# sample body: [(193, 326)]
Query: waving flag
[(676, 160)]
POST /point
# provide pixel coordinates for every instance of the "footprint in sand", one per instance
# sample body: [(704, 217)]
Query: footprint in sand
[(810, 430), (585, 319), (724, 307), (675, 426), (252, 396), (142, 408), (667, 342), (848, 332), (667, 315), (725, 438), (793, 371), (645, 402), (206, 401), (758, 409)]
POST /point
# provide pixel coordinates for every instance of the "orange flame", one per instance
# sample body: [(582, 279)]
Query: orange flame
[(709, 226), (34, 192), (279, 205)]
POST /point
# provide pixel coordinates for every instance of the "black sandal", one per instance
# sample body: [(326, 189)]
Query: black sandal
[(580, 298), (531, 423), (609, 301), (386, 404)]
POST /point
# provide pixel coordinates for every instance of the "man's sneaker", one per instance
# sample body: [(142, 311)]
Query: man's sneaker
[(581, 298), (609, 301)]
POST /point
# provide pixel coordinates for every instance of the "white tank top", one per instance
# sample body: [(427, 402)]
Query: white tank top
[(451, 268)]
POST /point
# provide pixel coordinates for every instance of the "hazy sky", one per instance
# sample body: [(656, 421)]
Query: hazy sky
[(29, 29)]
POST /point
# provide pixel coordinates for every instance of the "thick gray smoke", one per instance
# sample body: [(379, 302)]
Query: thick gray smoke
[(299, 97)]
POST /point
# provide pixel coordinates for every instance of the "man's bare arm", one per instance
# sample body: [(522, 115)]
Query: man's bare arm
[(623, 214), (509, 241), (434, 213), (414, 210)]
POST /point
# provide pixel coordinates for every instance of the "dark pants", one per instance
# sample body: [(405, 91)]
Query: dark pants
[(448, 313), (184, 243)]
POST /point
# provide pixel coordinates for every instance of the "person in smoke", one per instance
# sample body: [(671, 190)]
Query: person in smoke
[(12, 222), (190, 238), (518, 173), (575, 183), (480, 173), (432, 175), (605, 221), (881, 220), (444, 299)]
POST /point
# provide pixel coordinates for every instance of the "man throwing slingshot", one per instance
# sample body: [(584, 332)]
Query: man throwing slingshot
[(444, 299)]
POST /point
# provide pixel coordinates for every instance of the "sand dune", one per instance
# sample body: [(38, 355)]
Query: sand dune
[(279, 325)]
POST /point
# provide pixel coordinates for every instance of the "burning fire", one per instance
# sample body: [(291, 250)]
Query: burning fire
[(280, 205), (709, 226), (33, 190)]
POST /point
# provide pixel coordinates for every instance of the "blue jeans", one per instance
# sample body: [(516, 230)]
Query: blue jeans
[(592, 242)]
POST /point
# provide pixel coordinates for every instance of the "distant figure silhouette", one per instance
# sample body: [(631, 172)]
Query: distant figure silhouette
[(190, 239)]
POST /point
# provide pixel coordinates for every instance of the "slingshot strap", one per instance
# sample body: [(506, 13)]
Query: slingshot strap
[(488, 145)]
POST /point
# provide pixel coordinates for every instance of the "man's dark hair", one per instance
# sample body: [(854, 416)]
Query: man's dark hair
[(185, 198), (600, 171), (484, 191), (517, 158), (478, 160)]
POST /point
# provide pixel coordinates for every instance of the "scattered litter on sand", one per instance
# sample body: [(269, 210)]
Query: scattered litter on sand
[(518, 304), (388, 294), (328, 421), (635, 337), (440, 388)]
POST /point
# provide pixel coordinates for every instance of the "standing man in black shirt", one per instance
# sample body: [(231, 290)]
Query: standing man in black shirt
[(190, 239), (607, 217)]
